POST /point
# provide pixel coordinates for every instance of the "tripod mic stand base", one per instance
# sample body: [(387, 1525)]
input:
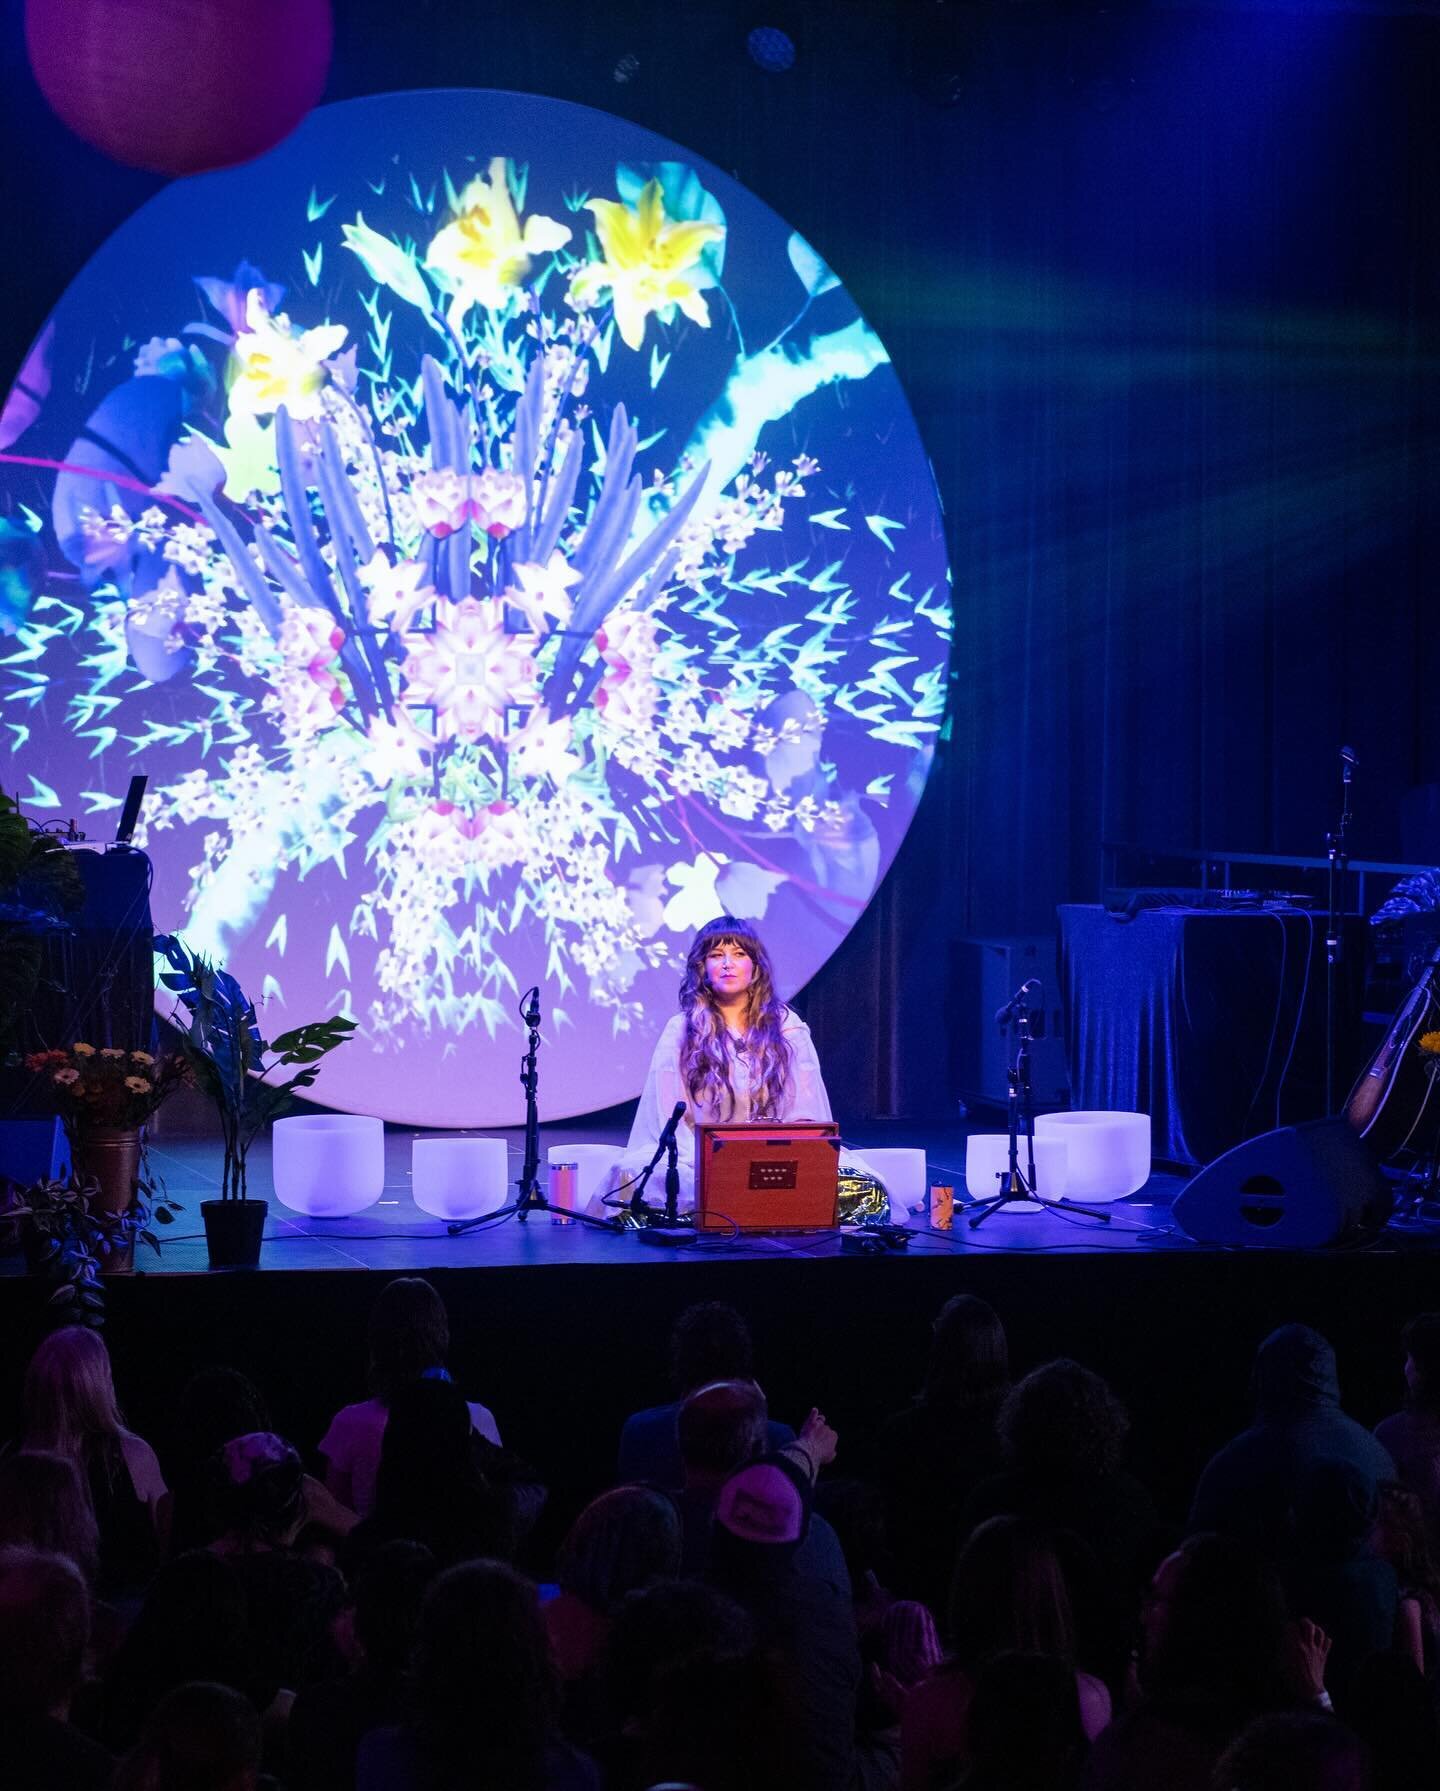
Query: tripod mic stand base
[(980, 1210), (532, 1203)]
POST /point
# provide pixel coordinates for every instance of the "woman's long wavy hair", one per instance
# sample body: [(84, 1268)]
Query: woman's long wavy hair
[(69, 1398), (707, 1051)]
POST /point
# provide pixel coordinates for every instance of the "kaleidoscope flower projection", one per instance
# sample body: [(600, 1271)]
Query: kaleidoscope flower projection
[(504, 546)]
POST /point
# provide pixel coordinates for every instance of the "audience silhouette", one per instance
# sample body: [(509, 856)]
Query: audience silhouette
[(985, 1596)]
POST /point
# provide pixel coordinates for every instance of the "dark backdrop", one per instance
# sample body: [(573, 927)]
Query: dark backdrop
[(1162, 285)]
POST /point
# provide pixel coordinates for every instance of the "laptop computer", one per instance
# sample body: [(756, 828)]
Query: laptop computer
[(768, 1177), (130, 813)]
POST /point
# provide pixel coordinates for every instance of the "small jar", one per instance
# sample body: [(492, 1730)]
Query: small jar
[(564, 1185)]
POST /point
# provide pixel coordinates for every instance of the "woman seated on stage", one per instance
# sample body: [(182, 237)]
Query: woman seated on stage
[(734, 1053)]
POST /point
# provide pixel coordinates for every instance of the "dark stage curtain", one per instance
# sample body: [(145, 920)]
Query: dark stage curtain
[(1211, 1022), (1171, 335), (1162, 284)]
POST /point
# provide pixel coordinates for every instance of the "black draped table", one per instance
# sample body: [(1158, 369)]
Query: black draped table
[(1211, 1021)]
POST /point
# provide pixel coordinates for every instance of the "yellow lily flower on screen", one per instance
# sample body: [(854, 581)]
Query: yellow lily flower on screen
[(484, 253), (275, 363), (651, 262)]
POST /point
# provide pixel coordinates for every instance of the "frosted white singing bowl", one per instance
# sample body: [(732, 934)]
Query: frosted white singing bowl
[(903, 1173), (1109, 1153), (460, 1178), (593, 1163), (327, 1165), (987, 1155)]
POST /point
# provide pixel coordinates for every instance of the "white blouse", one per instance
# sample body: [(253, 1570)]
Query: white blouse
[(805, 1098)]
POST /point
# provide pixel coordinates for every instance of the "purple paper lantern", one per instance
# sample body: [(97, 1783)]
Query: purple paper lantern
[(180, 86)]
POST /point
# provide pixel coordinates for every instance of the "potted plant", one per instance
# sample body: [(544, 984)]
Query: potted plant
[(70, 1239), (233, 1064), (105, 1095)]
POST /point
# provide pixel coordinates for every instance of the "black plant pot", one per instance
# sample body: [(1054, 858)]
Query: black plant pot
[(233, 1229)]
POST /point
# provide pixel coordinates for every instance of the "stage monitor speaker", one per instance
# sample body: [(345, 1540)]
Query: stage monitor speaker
[(1296, 1189)]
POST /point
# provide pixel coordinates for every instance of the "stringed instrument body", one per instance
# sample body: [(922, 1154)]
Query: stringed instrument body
[(1394, 1105)]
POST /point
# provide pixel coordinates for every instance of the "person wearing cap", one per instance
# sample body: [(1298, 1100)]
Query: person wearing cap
[(762, 1519)]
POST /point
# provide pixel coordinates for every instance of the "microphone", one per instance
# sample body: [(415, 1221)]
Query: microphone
[(530, 1010), (1349, 764), (1021, 998), (667, 1136)]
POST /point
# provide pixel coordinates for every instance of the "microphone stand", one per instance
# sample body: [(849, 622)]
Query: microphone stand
[(1339, 858), (639, 1213), (1017, 1184), (529, 1198), (672, 1181)]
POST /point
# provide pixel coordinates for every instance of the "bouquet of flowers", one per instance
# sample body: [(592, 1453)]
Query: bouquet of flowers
[(106, 1086)]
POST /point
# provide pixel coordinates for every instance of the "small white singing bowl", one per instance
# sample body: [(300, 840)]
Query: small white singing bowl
[(902, 1170), (987, 1158), (328, 1165), (1109, 1153), (459, 1178)]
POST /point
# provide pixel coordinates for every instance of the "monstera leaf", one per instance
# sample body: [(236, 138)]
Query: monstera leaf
[(304, 1046), (223, 1037)]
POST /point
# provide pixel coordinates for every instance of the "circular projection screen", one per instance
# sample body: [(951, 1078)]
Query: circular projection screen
[(504, 546)]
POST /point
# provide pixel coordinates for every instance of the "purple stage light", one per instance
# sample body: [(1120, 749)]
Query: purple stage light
[(180, 89)]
